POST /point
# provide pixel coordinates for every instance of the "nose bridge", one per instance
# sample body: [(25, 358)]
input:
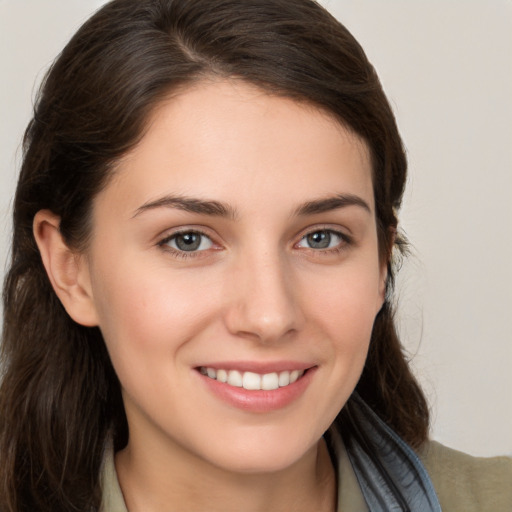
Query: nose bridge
[(264, 302)]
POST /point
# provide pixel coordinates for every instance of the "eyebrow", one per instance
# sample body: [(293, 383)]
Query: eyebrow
[(218, 209), (189, 204), (331, 203)]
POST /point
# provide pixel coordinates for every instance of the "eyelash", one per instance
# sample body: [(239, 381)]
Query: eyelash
[(345, 241), (182, 253)]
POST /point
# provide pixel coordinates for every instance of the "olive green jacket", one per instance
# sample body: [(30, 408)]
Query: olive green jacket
[(462, 483)]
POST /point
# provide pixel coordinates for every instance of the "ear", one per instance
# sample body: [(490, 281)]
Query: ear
[(383, 278), (384, 265), (67, 270)]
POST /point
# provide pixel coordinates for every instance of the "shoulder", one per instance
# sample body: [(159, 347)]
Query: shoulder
[(463, 482)]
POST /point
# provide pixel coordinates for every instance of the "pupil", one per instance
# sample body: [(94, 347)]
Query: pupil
[(319, 239), (188, 241)]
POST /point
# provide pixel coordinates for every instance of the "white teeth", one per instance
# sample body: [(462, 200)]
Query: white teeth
[(235, 378), (270, 381), (294, 375), (284, 379), (253, 381), (222, 375)]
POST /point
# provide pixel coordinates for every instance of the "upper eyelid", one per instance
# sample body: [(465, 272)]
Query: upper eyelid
[(328, 230), (344, 233), (184, 232), (168, 234)]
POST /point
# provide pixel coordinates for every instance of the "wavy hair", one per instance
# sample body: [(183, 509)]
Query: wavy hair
[(60, 399)]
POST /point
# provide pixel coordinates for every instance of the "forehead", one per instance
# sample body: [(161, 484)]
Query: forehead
[(231, 140)]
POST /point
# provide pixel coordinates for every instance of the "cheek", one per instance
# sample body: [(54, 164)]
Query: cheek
[(349, 299), (346, 313), (147, 322), (146, 312), (143, 315)]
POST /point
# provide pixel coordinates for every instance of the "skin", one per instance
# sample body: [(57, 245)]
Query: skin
[(254, 291)]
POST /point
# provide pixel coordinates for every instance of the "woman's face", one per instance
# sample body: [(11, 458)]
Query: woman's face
[(237, 241)]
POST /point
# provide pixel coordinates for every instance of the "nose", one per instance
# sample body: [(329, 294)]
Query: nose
[(264, 304)]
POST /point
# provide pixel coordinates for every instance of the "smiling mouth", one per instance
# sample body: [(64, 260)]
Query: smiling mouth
[(253, 381)]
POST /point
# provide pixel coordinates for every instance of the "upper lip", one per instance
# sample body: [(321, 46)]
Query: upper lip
[(261, 367)]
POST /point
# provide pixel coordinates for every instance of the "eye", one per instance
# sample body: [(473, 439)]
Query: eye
[(322, 239), (188, 241)]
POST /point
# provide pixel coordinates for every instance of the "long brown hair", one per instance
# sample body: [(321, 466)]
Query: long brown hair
[(60, 398)]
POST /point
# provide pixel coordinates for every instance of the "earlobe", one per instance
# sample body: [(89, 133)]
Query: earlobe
[(67, 271)]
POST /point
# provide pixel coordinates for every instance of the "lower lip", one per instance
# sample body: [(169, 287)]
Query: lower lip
[(260, 400)]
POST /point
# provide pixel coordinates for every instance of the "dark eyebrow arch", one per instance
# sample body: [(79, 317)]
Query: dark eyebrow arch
[(189, 204), (332, 203)]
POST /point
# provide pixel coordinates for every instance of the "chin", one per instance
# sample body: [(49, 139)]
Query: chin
[(266, 456)]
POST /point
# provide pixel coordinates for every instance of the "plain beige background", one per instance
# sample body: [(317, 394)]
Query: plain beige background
[(447, 68)]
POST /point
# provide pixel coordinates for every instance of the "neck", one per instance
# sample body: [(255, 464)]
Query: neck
[(151, 482)]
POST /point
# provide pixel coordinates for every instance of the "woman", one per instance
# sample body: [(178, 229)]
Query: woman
[(197, 313)]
